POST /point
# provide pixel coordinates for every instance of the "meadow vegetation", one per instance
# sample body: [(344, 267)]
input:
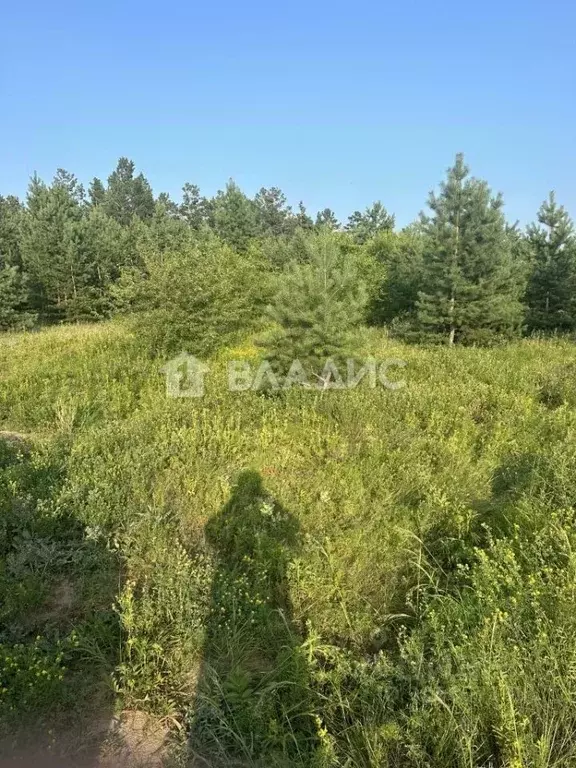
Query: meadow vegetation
[(303, 576), (361, 577)]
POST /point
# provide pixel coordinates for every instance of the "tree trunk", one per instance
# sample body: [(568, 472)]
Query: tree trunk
[(451, 306), (452, 326)]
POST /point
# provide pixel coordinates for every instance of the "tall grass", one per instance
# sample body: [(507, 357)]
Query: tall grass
[(426, 615)]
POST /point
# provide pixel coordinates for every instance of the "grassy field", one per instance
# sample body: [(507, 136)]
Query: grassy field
[(355, 578)]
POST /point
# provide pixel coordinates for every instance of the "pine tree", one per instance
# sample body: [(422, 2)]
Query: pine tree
[(274, 214), (327, 219), (127, 195), (69, 183), (14, 314), (12, 215), (166, 231), (551, 292), (401, 257), (45, 252), (317, 307), (234, 217), (167, 206), (194, 208), (96, 192), (13, 282), (471, 292), (375, 219), (303, 221), (95, 250)]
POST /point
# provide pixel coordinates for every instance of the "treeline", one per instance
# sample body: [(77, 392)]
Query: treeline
[(460, 273)]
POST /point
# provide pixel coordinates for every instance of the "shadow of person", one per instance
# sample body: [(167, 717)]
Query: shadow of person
[(59, 633), (253, 699)]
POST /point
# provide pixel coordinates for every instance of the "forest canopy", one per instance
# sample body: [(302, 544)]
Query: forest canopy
[(460, 273)]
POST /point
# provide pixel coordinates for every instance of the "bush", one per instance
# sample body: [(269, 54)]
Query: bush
[(558, 387), (198, 298)]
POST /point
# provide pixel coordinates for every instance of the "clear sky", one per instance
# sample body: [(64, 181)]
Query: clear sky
[(337, 103)]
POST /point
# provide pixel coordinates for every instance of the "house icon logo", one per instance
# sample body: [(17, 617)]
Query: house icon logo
[(185, 376)]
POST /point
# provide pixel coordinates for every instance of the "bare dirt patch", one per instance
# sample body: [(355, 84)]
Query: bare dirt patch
[(16, 440), (136, 740)]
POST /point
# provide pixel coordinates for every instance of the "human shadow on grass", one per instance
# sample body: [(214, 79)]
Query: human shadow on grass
[(59, 634), (253, 698)]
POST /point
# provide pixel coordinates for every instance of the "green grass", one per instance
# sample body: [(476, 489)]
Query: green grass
[(422, 614)]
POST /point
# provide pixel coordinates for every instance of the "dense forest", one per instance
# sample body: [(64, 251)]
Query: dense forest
[(460, 273)]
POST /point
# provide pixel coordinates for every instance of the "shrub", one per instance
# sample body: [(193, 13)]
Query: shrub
[(198, 298)]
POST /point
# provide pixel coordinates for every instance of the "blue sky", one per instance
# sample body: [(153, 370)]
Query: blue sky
[(337, 103)]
